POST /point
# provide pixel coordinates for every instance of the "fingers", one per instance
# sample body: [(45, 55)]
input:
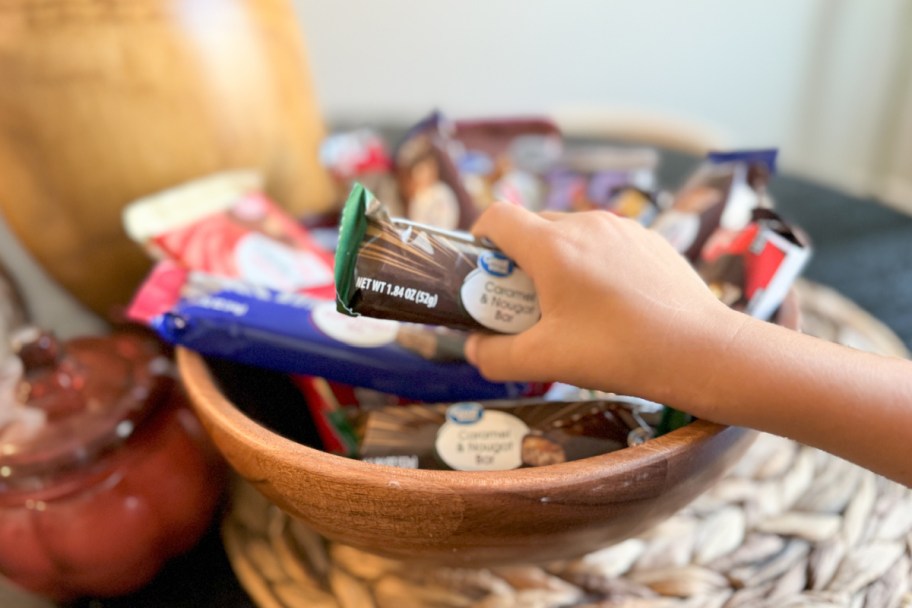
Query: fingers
[(501, 358), (511, 228)]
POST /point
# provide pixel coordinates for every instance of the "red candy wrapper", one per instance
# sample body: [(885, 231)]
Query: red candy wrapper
[(352, 154), (754, 269), (225, 226), (721, 194), (360, 155), (327, 415)]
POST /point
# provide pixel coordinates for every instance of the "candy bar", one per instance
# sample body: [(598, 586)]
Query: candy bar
[(754, 269), (490, 436), (395, 269), (429, 183), (224, 225), (722, 193), (294, 333)]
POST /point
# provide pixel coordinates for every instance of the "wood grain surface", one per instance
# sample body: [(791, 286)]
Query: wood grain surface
[(457, 517), (102, 102)]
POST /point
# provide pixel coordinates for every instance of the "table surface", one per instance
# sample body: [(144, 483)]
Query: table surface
[(861, 249)]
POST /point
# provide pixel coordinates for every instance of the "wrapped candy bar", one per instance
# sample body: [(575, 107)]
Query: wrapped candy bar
[(503, 158), (295, 333), (429, 183), (754, 269), (394, 269), (597, 177), (360, 155), (493, 436), (351, 154), (721, 194), (448, 171), (327, 414), (224, 225)]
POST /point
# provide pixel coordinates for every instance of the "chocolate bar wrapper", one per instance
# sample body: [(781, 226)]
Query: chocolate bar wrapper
[(225, 225), (294, 333), (492, 436), (753, 270), (531, 143), (331, 404), (429, 183), (360, 155), (504, 158), (394, 269), (722, 193), (350, 154), (620, 180)]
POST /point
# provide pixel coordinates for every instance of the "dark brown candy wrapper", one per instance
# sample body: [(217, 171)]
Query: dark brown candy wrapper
[(721, 194), (496, 435), (448, 171), (429, 182), (394, 269), (504, 158)]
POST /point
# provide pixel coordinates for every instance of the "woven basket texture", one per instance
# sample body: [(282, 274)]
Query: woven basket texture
[(789, 526)]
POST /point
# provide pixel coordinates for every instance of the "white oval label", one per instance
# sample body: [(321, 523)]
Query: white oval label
[(475, 439), (500, 296), (264, 261), (362, 332)]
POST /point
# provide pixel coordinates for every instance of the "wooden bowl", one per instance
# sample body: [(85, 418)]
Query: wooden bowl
[(458, 518)]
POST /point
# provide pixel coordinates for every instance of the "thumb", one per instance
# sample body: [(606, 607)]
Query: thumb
[(501, 358)]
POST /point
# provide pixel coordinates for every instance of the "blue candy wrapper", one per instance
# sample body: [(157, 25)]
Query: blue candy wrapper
[(298, 334)]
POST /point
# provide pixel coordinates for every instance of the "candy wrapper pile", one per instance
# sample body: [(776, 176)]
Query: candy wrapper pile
[(367, 309)]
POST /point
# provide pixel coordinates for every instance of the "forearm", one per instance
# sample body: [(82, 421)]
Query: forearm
[(777, 380), (639, 320)]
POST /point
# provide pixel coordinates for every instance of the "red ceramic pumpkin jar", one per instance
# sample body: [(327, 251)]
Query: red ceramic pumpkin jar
[(118, 478)]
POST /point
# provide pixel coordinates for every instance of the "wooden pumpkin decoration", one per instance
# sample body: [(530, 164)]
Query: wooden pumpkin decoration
[(103, 102)]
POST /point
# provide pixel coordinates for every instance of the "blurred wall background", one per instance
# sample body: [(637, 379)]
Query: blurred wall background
[(828, 81)]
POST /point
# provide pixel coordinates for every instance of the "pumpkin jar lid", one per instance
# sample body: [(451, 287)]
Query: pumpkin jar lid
[(73, 404)]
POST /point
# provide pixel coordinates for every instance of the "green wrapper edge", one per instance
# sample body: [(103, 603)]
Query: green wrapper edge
[(673, 419), (352, 227)]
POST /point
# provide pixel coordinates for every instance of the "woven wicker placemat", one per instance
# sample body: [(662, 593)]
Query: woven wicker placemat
[(788, 526)]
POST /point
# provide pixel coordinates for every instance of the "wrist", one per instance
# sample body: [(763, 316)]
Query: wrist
[(693, 362)]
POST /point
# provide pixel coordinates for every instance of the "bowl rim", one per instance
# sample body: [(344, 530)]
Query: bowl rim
[(215, 409)]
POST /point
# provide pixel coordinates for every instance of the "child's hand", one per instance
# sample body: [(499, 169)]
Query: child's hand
[(621, 310)]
